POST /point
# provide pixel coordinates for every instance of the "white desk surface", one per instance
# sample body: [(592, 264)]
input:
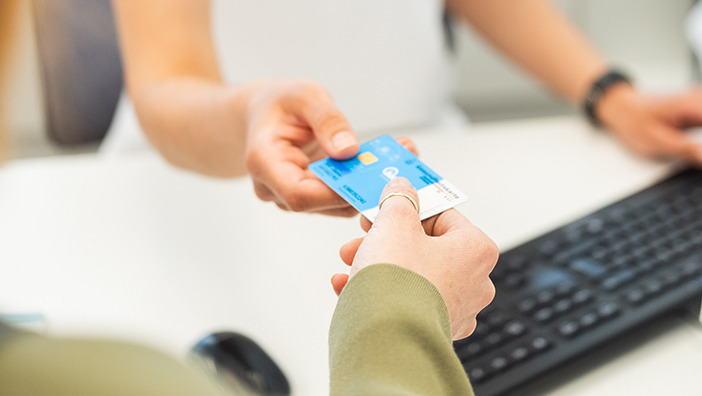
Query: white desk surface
[(132, 248)]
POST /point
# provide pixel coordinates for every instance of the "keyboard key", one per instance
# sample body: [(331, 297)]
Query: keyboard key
[(588, 268), (608, 310), (540, 344), (653, 287), (527, 305), (514, 280), (515, 328), (670, 278), (481, 330), (520, 353), (564, 288), (494, 340), (619, 279), (635, 296), (581, 296), (549, 247), (478, 374), (562, 306), (499, 363), (569, 329), (496, 319), (595, 225), (545, 296), (544, 315), (470, 351), (690, 269), (588, 320), (516, 263)]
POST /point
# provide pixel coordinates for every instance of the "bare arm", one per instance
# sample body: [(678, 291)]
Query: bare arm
[(172, 76), (271, 128), (539, 38)]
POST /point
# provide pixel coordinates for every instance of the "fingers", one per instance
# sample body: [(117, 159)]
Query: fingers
[(342, 212), (408, 144), (446, 222), (689, 106), (331, 128), (671, 142), (338, 282), (464, 327), (365, 223), (655, 126), (297, 190), (349, 249)]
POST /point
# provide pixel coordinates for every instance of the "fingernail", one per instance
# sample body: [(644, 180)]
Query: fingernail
[(343, 140)]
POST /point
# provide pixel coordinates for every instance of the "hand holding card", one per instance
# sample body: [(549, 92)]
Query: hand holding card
[(447, 250), (361, 179)]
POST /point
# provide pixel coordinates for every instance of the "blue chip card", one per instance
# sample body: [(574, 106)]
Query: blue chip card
[(361, 179)]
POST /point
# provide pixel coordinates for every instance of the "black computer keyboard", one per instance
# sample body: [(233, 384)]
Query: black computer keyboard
[(582, 284)]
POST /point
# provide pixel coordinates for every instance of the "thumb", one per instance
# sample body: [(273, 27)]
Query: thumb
[(399, 206), (328, 123), (338, 282), (396, 231)]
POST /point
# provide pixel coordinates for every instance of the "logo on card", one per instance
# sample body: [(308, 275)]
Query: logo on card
[(367, 158), (390, 172)]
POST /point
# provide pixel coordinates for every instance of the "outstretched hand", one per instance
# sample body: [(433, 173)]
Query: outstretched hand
[(292, 123)]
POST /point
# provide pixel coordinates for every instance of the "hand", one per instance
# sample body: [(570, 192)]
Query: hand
[(292, 123), (446, 249), (654, 126)]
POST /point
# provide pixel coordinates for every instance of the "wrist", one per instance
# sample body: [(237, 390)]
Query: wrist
[(611, 84), (618, 104)]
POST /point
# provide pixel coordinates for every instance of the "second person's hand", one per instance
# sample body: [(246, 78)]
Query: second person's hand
[(292, 123), (454, 255), (654, 126)]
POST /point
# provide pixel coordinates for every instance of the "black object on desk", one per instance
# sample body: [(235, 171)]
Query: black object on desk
[(563, 293), (241, 365)]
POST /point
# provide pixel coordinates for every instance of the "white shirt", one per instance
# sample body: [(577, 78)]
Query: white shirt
[(385, 62)]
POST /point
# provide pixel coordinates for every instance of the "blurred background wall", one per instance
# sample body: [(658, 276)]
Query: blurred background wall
[(644, 37)]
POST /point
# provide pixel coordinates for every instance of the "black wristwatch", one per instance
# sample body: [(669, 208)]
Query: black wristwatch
[(597, 91)]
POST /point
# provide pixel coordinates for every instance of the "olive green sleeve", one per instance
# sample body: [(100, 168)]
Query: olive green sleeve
[(390, 335), (34, 365)]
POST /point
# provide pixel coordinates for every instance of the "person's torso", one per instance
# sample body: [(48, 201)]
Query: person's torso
[(384, 61)]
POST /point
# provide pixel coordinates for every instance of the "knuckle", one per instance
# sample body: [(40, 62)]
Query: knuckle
[(253, 160), (489, 294), (262, 192), (330, 120), (487, 250), (311, 89), (467, 329)]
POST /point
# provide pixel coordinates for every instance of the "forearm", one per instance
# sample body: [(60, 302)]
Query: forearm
[(540, 39), (195, 123), (390, 335), (186, 110)]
